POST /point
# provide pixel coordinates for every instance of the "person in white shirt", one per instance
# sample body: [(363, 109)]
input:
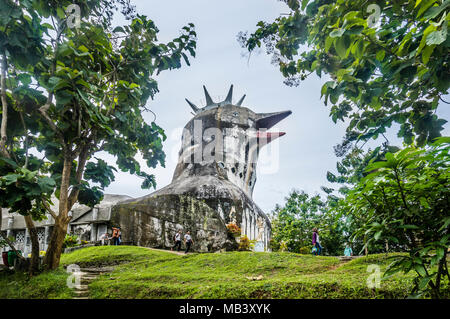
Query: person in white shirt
[(177, 239), (105, 239), (188, 241)]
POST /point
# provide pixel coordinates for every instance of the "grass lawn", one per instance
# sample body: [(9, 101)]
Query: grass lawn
[(47, 285), (144, 273)]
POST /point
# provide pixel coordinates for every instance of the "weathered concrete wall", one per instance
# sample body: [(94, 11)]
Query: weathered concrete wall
[(153, 221), (203, 210)]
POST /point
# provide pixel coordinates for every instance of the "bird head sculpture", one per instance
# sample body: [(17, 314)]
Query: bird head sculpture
[(223, 140)]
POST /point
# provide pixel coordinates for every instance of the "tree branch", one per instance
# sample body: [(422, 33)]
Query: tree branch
[(26, 138), (82, 159), (43, 111), (3, 135), (51, 211)]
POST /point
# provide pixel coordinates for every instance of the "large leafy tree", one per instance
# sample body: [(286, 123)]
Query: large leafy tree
[(72, 87), (292, 224), (349, 172), (388, 61), (404, 199)]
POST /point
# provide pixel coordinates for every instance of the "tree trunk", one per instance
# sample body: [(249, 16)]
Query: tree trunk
[(440, 273), (55, 246), (3, 136), (34, 264)]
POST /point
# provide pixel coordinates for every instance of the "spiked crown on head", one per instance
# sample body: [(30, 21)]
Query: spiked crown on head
[(210, 104)]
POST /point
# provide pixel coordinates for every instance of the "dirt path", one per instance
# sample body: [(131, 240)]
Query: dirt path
[(167, 251), (343, 260)]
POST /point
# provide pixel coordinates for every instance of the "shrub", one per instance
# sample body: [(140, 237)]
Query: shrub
[(70, 241), (246, 244), (403, 199), (305, 250), (233, 229), (274, 245)]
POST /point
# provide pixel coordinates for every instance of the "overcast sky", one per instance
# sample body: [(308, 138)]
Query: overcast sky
[(306, 151)]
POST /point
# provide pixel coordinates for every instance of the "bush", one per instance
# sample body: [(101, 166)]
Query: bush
[(306, 250), (233, 229), (403, 199), (70, 241), (246, 244), (283, 246)]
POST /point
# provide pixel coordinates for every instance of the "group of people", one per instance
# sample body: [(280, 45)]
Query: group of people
[(317, 247), (188, 242), (116, 237)]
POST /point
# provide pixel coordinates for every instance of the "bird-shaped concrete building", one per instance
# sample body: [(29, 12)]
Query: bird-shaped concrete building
[(212, 185)]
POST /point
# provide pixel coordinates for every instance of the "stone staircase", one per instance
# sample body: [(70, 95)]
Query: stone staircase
[(87, 275)]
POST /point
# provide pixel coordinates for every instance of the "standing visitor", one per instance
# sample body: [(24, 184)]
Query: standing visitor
[(115, 236), (348, 250), (105, 239), (316, 242), (188, 241), (177, 239)]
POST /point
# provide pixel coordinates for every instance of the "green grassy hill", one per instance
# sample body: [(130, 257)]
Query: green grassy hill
[(144, 273)]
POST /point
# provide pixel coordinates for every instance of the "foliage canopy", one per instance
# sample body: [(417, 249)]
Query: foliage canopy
[(71, 87), (388, 61)]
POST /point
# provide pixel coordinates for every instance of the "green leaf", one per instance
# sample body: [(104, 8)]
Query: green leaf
[(426, 53), (359, 48), (424, 5), (118, 29), (10, 179), (304, 4), (433, 12), (420, 270), (9, 161), (390, 158), (377, 235), (341, 47), (380, 55), (60, 13), (185, 58), (25, 78), (424, 282), (46, 184), (446, 223), (436, 37), (328, 43), (440, 252), (337, 33)]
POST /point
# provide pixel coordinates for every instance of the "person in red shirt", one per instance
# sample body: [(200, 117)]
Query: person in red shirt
[(116, 235)]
